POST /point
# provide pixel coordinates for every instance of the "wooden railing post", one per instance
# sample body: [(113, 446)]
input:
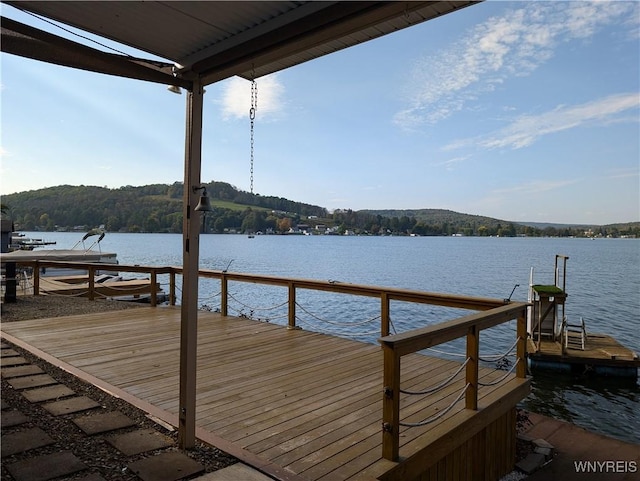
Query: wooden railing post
[(172, 288), (391, 404), (385, 316), (224, 295), (292, 306), (154, 285), (521, 348), (92, 283), (36, 279), (473, 352)]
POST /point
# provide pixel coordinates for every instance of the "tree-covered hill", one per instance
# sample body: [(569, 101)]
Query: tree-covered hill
[(448, 222), (150, 208), (452, 222), (158, 208)]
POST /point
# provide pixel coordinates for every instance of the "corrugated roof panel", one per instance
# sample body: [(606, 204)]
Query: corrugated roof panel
[(215, 22), (216, 40), (170, 30), (362, 32)]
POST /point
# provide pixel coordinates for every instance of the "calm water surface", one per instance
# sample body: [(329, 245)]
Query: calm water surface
[(603, 283)]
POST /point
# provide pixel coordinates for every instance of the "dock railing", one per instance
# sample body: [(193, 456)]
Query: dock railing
[(293, 286), (92, 269), (470, 326), (492, 312), (385, 294)]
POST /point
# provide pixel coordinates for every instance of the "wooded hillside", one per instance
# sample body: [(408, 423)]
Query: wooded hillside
[(150, 208), (158, 208)]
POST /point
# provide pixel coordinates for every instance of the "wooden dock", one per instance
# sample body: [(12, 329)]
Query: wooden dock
[(602, 354), (292, 403), (133, 288)]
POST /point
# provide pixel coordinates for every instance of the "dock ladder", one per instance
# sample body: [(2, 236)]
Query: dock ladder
[(575, 335)]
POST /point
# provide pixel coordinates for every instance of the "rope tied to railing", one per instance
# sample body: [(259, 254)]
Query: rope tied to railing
[(499, 357), (251, 308), (441, 385), (351, 335), (392, 325), (498, 381), (116, 288), (441, 413), (337, 323), (489, 358), (243, 314), (52, 293), (208, 298)]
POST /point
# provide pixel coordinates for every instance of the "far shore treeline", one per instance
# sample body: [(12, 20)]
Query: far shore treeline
[(158, 208)]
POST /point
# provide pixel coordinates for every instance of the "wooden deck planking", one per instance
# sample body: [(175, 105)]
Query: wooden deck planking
[(305, 401), (598, 348)]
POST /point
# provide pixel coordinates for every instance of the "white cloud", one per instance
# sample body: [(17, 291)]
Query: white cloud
[(236, 98), (535, 187), (527, 129), (510, 45), (624, 173), (451, 163)]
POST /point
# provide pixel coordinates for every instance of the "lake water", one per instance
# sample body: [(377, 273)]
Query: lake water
[(603, 283)]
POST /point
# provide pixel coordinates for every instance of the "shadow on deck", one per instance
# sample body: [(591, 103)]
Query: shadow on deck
[(293, 403)]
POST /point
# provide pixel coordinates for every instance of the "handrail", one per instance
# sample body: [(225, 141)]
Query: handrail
[(385, 294), (492, 313), (92, 267), (398, 345)]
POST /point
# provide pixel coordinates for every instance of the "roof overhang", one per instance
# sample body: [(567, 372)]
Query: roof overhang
[(209, 40)]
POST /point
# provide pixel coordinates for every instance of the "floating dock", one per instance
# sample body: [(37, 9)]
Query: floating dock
[(103, 287), (78, 286), (556, 344), (602, 355)]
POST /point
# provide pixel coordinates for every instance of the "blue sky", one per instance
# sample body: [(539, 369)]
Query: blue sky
[(523, 111)]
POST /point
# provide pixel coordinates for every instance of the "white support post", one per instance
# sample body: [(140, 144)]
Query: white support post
[(191, 248)]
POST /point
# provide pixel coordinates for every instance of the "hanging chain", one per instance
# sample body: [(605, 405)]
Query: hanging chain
[(252, 117)]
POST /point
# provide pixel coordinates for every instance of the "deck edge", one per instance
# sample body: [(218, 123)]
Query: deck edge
[(493, 406), (263, 465)]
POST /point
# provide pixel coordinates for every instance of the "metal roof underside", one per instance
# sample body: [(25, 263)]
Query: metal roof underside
[(209, 40)]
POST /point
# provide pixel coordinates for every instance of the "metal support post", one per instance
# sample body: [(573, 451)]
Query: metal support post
[(191, 248)]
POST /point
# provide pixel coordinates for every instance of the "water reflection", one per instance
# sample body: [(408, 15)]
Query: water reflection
[(605, 405)]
